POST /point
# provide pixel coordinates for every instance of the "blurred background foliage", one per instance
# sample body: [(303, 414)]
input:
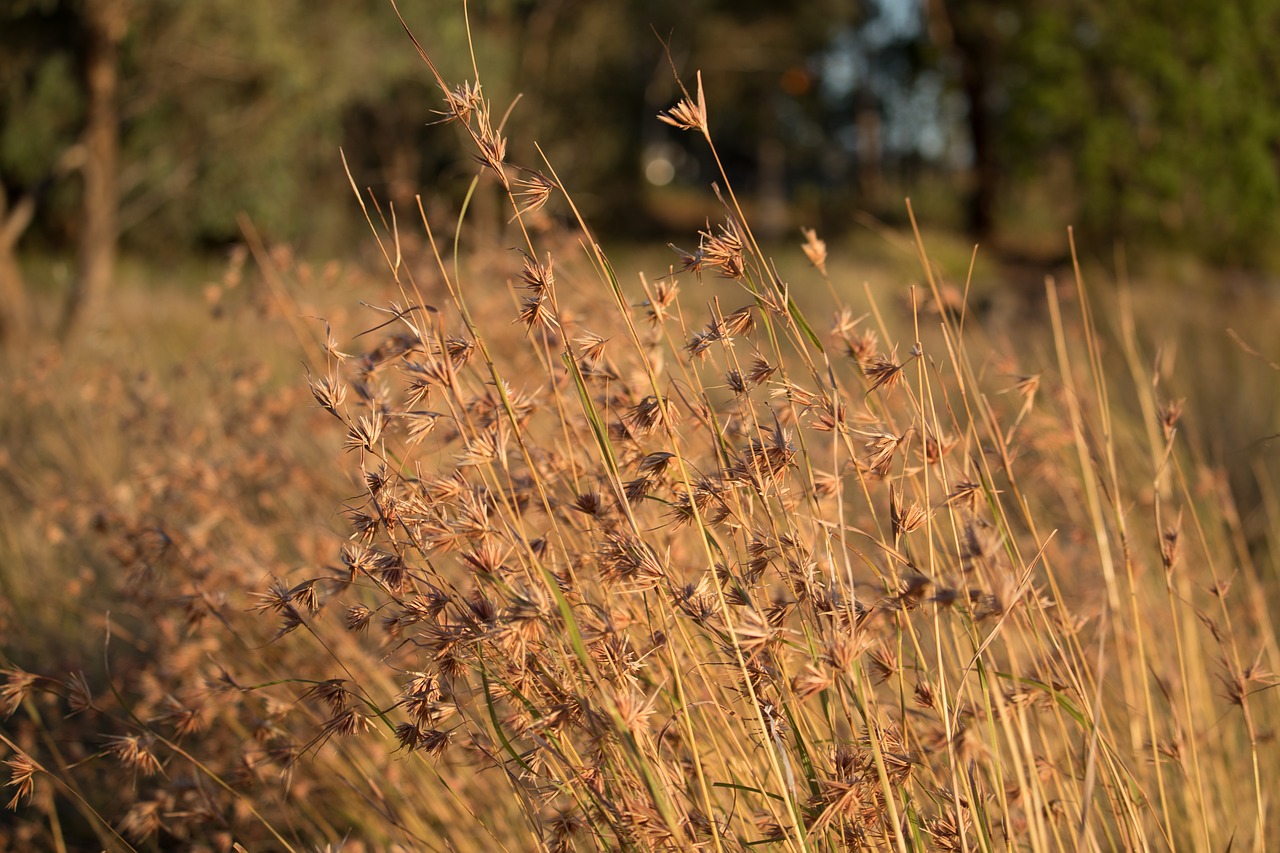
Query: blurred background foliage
[(1147, 123)]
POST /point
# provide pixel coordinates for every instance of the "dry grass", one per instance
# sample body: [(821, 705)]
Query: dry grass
[(656, 564)]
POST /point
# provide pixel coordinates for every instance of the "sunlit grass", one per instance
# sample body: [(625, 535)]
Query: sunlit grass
[(563, 548)]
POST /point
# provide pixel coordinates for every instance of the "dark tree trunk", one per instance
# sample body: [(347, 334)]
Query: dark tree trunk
[(965, 29), (981, 215), (105, 23)]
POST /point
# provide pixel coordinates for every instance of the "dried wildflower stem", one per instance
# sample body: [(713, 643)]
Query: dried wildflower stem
[(958, 782), (1130, 680), (572, 363), (1199, 665), (177, 749), (964, 374), (687, 481), (64, 780), (506, 403), (1101, 394), (455, 294)]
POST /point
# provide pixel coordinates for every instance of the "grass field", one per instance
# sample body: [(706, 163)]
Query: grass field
[(742, 549)]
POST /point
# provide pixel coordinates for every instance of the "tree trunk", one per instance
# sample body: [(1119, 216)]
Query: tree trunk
[(15, 307), (105, 24), (986, 175), (870, 159), (964, 28)]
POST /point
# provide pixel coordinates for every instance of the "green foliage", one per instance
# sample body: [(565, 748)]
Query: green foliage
[(1157, 116), (237, 108), (41, 102), (225, 107), (39, 112), (1161, 110)]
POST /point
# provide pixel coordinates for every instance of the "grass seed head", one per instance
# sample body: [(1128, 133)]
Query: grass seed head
[(22, 772)]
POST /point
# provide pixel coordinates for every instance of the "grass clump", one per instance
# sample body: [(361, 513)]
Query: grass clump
[(665, 564)]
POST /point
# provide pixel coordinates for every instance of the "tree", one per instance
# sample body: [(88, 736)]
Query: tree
[(970, 33), (105, 24), (1157, 110), (177, 115), (594, 75)]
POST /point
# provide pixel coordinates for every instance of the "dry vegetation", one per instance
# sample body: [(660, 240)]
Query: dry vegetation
[(660, 565)]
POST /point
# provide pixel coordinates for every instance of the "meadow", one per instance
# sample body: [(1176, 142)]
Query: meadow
[(459, 546)]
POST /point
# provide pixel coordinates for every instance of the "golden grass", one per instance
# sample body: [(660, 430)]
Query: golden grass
[(660, 563)]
